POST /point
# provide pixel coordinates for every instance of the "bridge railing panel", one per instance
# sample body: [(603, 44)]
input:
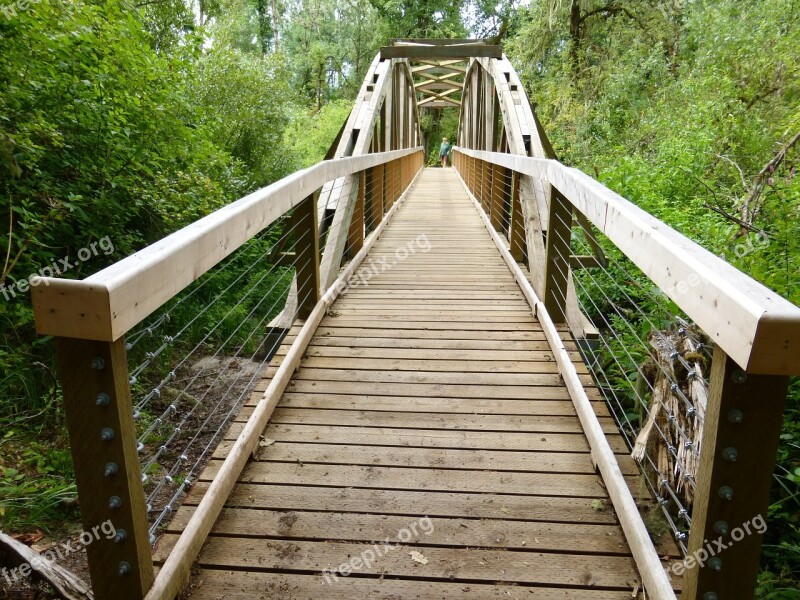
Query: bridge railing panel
[(692, 355), (158, 353)]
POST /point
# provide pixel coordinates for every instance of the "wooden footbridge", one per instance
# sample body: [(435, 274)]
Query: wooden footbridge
[(434, 423)]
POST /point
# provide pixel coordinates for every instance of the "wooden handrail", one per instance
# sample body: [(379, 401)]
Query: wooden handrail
[(108, 304), (755, 326)]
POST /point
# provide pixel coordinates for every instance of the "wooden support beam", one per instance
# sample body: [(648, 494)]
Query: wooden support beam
[(496, 203), (741, 434), (440, 68), (437, 41), (556, 272), (377, 196), (304, 223), (432, 85), (438, 104), (99, 413), (584, 262), (517, 236), (355, 240), (434, 52)]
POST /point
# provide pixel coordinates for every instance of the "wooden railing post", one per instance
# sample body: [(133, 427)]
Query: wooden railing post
[(741, 434), (306, 230), (517, 234), (556, 274), (355, 236), (378, 195), (496, 196), (99, 414)]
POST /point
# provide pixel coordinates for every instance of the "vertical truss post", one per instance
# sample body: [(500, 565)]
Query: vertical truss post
[(99, 413), (304, 223), (355, 236), (496, 196), (556, 274), (741, 434), (378, 194)]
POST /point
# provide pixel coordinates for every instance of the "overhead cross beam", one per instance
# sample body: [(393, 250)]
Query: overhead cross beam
[(440, 51)]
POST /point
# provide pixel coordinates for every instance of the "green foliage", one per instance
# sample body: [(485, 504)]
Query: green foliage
[(311, 133), (679, 106)]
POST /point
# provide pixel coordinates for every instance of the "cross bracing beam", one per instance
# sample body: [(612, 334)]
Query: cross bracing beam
[(441, 51)]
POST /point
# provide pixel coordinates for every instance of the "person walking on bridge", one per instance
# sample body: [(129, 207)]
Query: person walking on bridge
[(444, 151)]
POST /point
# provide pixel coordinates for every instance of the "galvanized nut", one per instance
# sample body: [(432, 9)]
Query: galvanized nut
[(721, 527), (735, 416), (726, 492), (106, 434), (730, 454), (111, 469), (102, 399), (738, 376)]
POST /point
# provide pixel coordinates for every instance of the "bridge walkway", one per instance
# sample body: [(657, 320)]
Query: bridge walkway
[(426, 443)]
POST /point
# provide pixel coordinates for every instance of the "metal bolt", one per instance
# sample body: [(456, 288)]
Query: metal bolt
[(111, 469), (730, 454), (710, 596), (124, 568), (735, 416), (120, 536), (107, 434), (114, 502), (715, 564), (738, 376), (97, 363), (721, 527), (726, 492), (128, 346), (102, 399), (152, 540)]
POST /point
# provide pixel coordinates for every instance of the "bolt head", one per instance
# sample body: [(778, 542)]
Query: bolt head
[(738, 376), (735, 416), (726, 492)]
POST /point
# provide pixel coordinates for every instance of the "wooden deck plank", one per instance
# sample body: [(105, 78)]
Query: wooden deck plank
[(446, 532), (448, 564), (213, 585), (398, 502)]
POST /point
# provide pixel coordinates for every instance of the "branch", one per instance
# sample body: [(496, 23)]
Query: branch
[(759, 183), (611, 9), (66, 584), (718, 208)]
